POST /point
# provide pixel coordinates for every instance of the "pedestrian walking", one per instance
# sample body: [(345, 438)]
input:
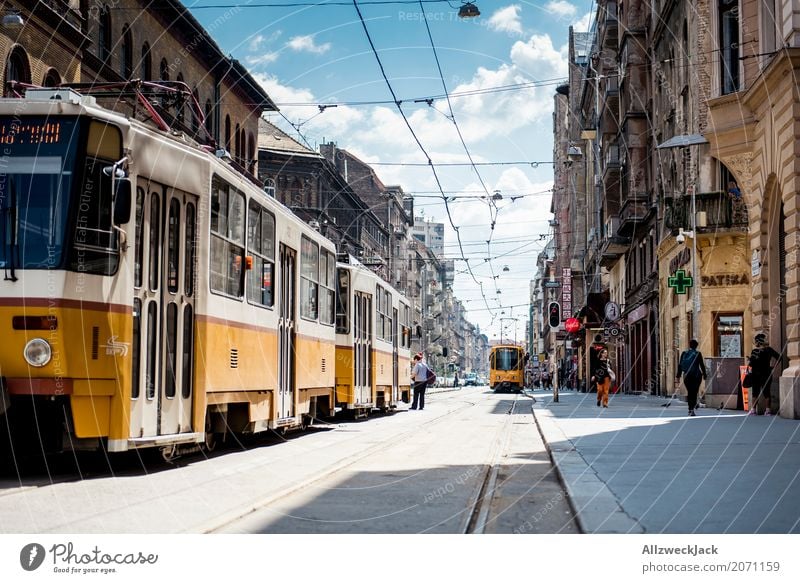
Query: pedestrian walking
[(761, 372), (693, 367), (419, 376), (455, 380), (603, 377)]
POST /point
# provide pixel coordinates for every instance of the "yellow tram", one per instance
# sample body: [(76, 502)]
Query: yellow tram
[(507, 368), (152, 294), (373, 341)]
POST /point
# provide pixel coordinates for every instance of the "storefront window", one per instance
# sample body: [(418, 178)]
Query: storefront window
[(728, 335)]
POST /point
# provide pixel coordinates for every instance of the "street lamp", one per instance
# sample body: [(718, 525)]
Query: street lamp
[(685, 141)]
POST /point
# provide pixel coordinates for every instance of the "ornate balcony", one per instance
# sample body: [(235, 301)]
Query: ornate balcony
[(722, 211), (635, 209), (608, 24)]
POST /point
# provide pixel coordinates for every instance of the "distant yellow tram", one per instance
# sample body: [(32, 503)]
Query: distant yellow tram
[(507, 368), (373, 341)]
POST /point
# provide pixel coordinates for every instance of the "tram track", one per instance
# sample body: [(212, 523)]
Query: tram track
[(480, 507), (222, 521)]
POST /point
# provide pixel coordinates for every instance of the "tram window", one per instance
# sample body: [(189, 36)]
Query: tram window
[(261, 246), (327, 273), (227, 239), (172, 338), (152, 346), (155, 241), (188, 346), (342, 302), (173, 245), (139, 251), (94, 248), (137, 348), (309, 285), (188, 276)]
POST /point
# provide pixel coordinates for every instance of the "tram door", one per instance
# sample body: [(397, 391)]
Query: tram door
[(362, 348), (395, 357), (286, 332), (163, 313)]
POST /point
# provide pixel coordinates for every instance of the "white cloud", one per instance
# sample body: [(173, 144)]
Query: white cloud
[(561, 8), (507, 20), (259, 40), (539, 58), (583, 23), (307, 44), (262, 59)]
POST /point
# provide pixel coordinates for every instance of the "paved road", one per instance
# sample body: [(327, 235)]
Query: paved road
[(414, 471), (641, 467)]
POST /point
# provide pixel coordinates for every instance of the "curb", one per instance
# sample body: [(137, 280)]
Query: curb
[(596, 509)]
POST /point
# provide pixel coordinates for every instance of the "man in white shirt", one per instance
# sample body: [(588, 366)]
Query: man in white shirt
[(419, 376)]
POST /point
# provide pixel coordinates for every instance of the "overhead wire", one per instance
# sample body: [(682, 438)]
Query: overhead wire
[(452, 118), (414, 135)]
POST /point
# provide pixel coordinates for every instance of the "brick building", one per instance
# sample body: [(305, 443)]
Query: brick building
[(69, 41)]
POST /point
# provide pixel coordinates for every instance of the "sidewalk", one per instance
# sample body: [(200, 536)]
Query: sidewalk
[(640, 467)]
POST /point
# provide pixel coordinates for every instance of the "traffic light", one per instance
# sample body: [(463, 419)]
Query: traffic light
[(554, 315)]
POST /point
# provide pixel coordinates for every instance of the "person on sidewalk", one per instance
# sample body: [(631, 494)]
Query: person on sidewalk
[(693, 367), (761, 371), (603, 377), (419, 376)]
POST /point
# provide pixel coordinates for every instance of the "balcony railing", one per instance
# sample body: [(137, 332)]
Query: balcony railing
[(608, 24), (722, 212)]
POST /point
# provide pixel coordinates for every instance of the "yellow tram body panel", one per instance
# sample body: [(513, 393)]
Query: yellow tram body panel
[(93, 372)]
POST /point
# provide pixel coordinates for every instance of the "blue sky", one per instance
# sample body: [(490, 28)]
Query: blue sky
[(321, 55)]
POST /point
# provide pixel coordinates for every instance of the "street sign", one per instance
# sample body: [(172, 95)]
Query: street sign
[(612, 311), (552, 284)]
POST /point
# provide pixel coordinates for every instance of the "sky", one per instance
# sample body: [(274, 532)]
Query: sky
[(306, 56)]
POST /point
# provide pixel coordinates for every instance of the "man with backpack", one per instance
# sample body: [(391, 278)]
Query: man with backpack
[(421, 377), (693, 367)]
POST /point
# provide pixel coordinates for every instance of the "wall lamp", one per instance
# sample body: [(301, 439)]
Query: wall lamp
[(13, 20)]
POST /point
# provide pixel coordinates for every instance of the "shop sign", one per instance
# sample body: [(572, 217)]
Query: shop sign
[(755, 264), (638, 313), (566, 292), (682, 258), (724, 280)]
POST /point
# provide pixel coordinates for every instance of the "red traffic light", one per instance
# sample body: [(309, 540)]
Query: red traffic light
[(572, 325)]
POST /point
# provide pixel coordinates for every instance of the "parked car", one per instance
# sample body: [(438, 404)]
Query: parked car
[(471, 379)]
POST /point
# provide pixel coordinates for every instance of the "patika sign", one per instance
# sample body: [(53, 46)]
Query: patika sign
[(724, 280)]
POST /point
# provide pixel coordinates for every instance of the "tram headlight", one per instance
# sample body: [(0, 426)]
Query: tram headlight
[(38, 352)]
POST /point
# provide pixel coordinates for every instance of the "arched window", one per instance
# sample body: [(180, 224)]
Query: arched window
[(228, 133), (127, 53), (238, 145), (52, 78), (104, 33), (147, 63), (192, 107), (251, 154), (180, 106), (163, 75), (17, 68), (209, 118)]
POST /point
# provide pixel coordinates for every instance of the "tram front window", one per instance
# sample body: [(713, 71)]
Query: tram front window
[(37, 161), (506, 359)]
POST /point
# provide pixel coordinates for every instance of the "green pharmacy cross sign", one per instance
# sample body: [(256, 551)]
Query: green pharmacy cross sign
[(680, 281)]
